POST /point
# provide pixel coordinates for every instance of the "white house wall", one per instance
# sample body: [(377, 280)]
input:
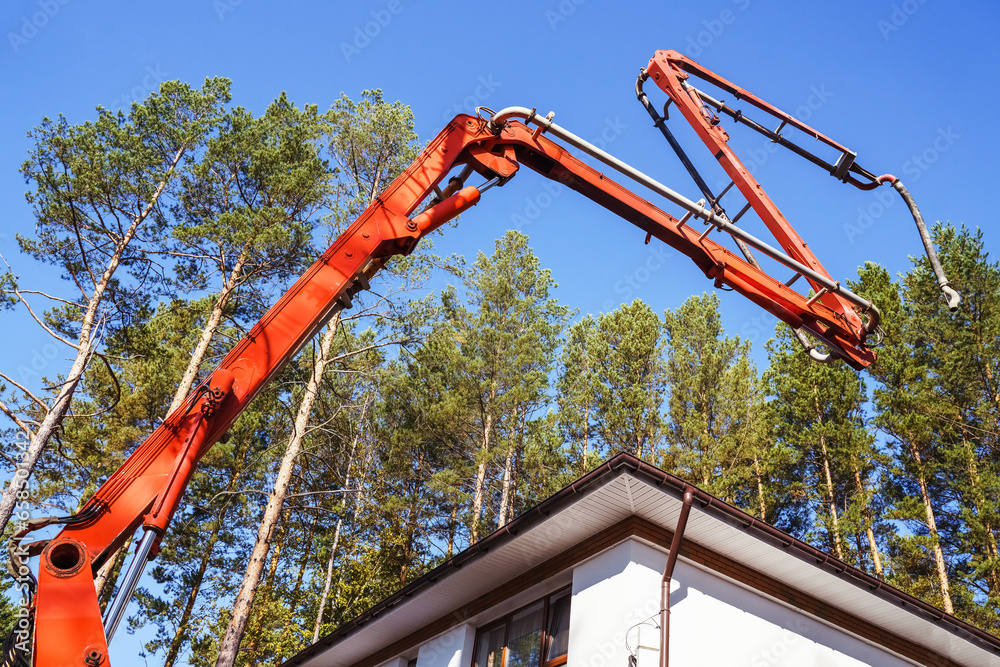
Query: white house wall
[(713, 622), (452, 649)]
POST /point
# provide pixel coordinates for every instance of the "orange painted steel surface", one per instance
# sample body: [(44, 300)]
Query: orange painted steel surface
[(670, 70), (147, 488)]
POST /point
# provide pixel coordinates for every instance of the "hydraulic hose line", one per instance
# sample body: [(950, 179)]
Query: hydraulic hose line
[(951, 296)]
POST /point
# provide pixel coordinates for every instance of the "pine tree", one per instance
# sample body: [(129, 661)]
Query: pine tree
[(244, 212), (371, 141), (716, 430), (818, 414), (630, 377), (99, 192), (575, 393), (938, 401), (905, 407), (508, 334)]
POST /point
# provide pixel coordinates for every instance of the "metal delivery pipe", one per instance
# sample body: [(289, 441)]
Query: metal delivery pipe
[(702, 213)]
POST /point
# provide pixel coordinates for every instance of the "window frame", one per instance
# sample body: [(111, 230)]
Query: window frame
[(505, 622)]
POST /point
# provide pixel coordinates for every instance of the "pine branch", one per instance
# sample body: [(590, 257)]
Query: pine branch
[(42, 324), (54, 298), (27, 393), (13, 417)]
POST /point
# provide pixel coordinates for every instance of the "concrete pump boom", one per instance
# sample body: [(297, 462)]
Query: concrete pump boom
[(147, 489)]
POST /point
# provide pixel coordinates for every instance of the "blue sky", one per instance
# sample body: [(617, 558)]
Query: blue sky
[(910, 85), (907, 84)]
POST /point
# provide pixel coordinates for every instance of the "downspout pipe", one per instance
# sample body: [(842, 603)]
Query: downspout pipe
[(668, 573)]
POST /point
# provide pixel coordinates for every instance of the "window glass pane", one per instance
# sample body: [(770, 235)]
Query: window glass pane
[(558, 627), (490, 648), (524, 646)]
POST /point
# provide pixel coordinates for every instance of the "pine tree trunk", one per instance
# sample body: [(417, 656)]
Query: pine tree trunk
[(211, 326), (506, 487), (992, 577), (244, 600), (110, 569), (327, 581), (830, 498), (412, 515), (452, 527), (942, 570), (477, 502), (831, 501), (991, 542), (276, 540), (306, 549), (516, 466), (108, 574), (993, 395), (336, 536), (760, 487), (866, 513), (182, 626), (404, 569), (477, 498)]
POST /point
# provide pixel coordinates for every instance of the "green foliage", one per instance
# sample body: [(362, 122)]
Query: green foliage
[(372, 141), (8, 287), (630, 376), (576, 393), (250, 198), (938, 400), (92, 181), (819, 424), (716, 436), (507, 333)]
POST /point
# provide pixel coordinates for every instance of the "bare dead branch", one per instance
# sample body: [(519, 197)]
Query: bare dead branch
[(366, 348), (27, 393), (42, 324), (13, 417), (54, 298)]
